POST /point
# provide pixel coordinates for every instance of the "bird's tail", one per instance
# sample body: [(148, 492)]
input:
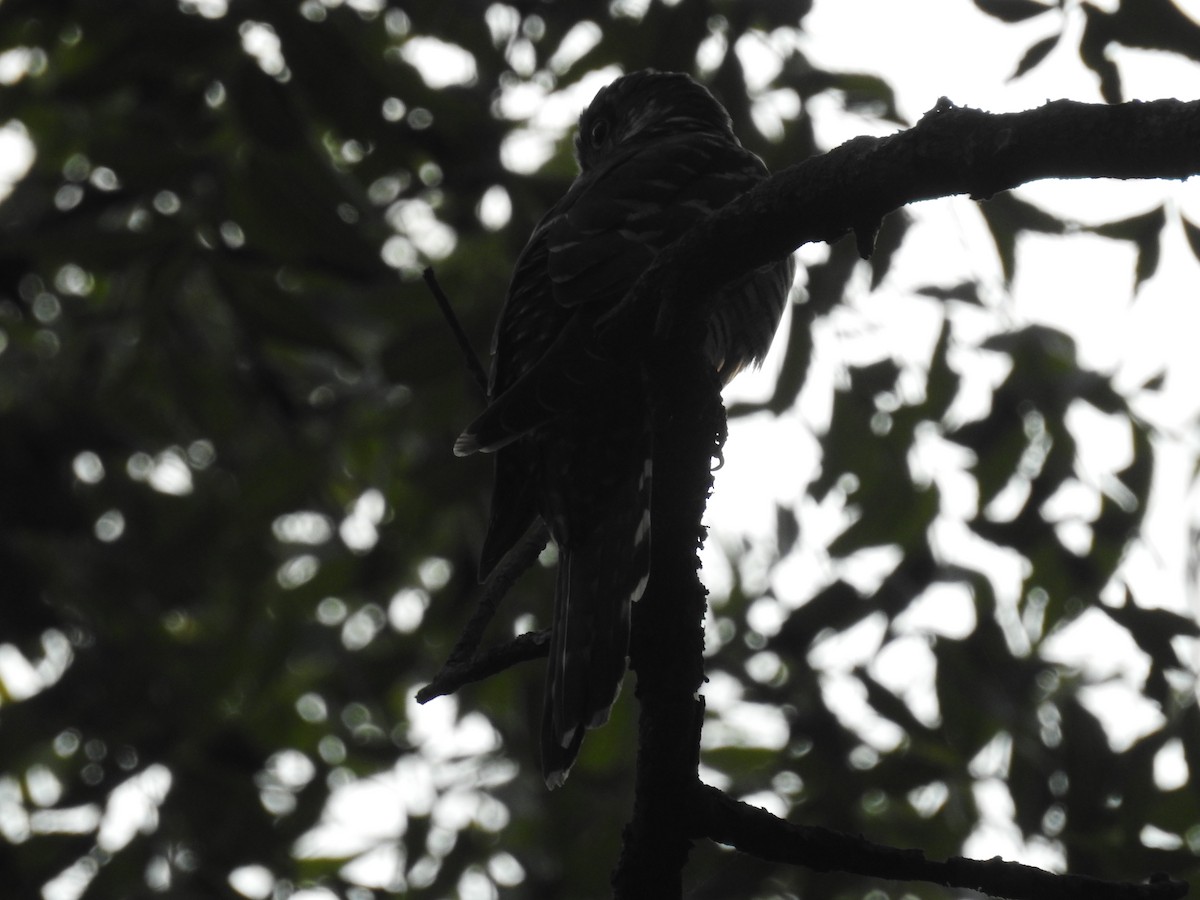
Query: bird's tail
[(597, 583)]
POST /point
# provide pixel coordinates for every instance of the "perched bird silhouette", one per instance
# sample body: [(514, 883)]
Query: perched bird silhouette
[(566, 416)]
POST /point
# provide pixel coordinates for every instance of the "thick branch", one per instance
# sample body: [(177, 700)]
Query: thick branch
[(851, 188), (757, 832), (951, 151), (667, 643)]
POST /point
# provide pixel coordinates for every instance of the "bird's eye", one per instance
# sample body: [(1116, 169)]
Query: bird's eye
[(599, 132)]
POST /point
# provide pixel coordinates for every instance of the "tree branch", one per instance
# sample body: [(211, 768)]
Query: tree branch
[(470, 357), (951, 151), (667, 641), (463, 665), (522, 648), (757, 832)]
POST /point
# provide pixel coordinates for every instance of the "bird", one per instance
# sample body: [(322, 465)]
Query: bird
[(567, 415)]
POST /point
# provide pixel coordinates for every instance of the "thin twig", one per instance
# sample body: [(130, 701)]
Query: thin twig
[(464, 343), (463, 657), (522, 648), (761, 834)]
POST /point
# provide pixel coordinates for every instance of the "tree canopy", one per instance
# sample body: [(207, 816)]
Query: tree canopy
[(234, 542)]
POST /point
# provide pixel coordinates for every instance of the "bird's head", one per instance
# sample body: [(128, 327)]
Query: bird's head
[(645, 106)]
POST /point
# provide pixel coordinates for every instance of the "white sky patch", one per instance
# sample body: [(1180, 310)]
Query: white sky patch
[(22, 677), (359, 530), (576, 43), (417, 222), (842, 651), (546, 116), (15, 64), (210, 9), (761, 62), (495, 208), (439, 63), (1170, 766), (166, 472), (22, 62), (503, 21), (846, 698), (444, 781), (362, 813), (746, 725), (521, 101), (297, 571), (302, 528), (1075, 645), (260, 41), (441, 735), (524, 151), (1126, 714), (16, 154), (406, 610), (907, 667), (19, 678), (253, 881), (941, 609), (998, 834), (711, 51), (133, 807)]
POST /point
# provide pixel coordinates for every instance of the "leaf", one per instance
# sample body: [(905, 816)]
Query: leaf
[(874, 378), (787, 529), (1093, 47), (1144, 230), (891, 235), (1034, 55), (827, 280), (1192, 233), (837, 606), (1007, 216), (1087, 760), (866, 94), (1153, 630), (1137, 476), (894, 513), (965, 291), (1031, 347), (941, 382), (998, 441), (1012, 10), (741, 761), (890, 706), (1154, 383), (794, 371)]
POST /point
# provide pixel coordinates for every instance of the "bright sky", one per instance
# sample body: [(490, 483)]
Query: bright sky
[(1082, 285)]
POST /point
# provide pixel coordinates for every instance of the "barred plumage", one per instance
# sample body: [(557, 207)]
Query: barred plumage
[(656, 155)]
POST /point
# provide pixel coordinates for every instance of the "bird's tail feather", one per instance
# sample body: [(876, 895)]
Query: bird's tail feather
[(597, 584)]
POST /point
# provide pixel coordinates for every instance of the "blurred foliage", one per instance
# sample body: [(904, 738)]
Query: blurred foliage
[(233, 540)]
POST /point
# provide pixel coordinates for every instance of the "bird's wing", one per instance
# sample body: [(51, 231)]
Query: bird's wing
[(582, 259)]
